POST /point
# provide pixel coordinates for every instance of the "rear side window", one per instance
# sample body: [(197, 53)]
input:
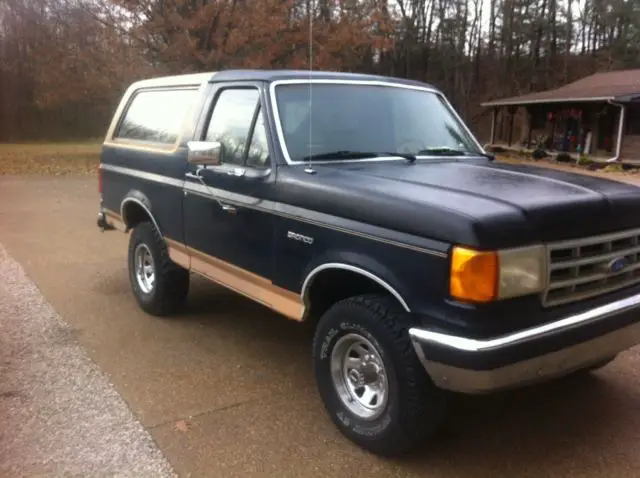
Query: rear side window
[(156, 116)]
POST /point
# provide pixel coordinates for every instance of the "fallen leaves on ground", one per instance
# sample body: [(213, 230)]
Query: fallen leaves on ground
[(82, 159), (53, 159)]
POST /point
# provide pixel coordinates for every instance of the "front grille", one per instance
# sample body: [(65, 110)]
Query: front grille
[(583, 268)]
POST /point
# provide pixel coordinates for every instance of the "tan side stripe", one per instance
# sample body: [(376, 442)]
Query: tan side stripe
[(239, 280), (178, 253)]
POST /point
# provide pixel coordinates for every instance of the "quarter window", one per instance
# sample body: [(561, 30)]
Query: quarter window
[(231, 122), (156, 116)]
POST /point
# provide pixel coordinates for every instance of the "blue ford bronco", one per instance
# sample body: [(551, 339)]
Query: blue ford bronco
[(364, 206)]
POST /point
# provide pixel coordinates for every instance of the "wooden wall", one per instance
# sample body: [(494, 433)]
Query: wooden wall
[(631, 147)]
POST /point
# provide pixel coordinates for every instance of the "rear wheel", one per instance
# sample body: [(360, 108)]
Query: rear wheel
[(371, 382), (159, 285)]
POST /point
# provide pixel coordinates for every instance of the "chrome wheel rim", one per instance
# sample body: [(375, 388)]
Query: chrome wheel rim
[(359, 376), (144, 268)]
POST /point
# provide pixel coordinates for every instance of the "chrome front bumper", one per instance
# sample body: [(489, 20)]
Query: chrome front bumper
[(614, 327)]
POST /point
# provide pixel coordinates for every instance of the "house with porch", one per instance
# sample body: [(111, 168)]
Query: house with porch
[(598, 116)]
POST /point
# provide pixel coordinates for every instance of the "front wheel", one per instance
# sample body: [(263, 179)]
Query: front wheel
[(159, 285), (370, 379)]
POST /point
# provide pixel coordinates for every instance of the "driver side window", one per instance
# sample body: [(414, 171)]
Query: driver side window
[(231, 121)]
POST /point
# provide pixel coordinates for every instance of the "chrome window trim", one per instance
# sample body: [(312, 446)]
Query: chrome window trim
[(280, 133), (339, 265)]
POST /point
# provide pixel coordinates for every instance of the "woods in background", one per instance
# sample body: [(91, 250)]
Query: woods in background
[(65, 63)]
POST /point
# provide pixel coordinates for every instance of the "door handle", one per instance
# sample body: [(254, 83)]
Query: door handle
[(239, 172), (228, 208), (195, 175)]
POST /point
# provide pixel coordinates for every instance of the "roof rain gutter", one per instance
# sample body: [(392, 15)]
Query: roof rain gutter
[(620, 131)]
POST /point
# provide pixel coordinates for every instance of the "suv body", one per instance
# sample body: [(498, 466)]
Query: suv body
[(425, 266)]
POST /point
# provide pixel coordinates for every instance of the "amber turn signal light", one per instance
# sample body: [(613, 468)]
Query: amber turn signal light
[(474, 275)]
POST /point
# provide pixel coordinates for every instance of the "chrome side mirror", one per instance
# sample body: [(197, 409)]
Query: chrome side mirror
[(205, 153)]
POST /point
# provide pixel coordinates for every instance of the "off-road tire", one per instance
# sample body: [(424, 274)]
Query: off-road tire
[(415, 407), (171, 286)]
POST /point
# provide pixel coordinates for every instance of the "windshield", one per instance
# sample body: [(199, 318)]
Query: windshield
[(320, 119)]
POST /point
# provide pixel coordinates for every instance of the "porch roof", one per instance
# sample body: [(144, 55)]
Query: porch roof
[(623, 85)]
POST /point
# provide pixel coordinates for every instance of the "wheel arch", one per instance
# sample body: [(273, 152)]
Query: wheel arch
[(134, 209), (366, 281)]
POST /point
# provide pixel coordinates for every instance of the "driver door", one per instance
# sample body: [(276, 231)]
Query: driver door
[(228, 233)]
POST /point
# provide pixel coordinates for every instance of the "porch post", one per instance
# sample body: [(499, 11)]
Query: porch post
[(512, 113), (494, 116), (529, 126), (578, 135), (553, 127), (620, 132)]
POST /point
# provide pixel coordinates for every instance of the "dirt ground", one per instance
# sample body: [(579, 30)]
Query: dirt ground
[(226, 388)]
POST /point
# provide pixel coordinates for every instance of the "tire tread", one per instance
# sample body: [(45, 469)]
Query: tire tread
[(422, 405), (172, 280)]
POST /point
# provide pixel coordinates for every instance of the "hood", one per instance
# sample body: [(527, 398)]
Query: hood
[(474, 202)]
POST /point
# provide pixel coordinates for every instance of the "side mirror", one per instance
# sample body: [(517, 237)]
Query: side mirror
[(205, 153)]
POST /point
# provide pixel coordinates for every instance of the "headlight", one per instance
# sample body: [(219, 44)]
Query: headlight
[(483, 276)]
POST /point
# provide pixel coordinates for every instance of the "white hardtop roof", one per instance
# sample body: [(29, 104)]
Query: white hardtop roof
[(175, 80)]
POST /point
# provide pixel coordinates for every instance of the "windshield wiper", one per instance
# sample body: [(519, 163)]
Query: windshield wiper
[(411, 157), (347, 154), (446, 151), (443, 151)]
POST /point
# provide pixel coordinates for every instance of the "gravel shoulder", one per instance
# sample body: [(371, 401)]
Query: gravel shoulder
[(60, 414)]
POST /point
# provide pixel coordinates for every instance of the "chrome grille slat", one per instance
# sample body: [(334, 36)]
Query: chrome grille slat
[(595, 259), (581, 268), (576, 297), (592, 278), (585, 241)]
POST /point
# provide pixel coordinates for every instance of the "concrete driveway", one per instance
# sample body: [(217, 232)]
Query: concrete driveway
[(226, 389)]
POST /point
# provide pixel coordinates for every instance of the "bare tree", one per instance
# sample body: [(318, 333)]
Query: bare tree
[(64, 63)]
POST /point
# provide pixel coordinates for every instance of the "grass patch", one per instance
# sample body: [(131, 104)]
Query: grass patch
[(613, 168), (58, 159), (585, 161)]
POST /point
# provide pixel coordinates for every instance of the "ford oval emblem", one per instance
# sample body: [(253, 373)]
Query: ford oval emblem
[(617, 264)]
